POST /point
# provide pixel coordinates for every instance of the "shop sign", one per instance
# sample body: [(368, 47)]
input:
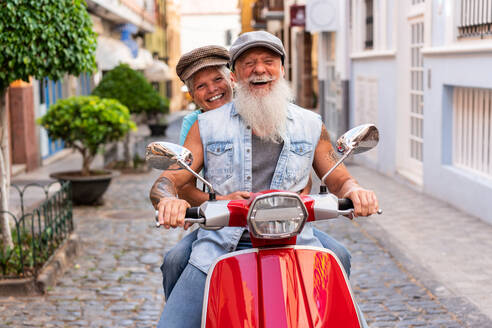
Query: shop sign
[(298, 15)]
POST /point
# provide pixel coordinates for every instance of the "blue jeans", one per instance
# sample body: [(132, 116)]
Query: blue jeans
[(177, 258), (176, 261), (183, 308)]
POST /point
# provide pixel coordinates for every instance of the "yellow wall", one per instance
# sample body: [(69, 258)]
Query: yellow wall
[(246, 14), (173, 18), (156, 42)]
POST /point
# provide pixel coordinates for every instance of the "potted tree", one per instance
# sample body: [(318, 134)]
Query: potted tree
[(85, 123), (132, 89)]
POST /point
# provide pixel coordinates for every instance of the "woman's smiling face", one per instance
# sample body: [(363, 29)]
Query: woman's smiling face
[(211, 89)]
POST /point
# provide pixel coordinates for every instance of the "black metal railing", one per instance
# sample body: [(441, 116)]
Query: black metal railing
[(38, 232)]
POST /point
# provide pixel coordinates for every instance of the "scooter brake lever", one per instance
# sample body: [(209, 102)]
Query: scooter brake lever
[(351, 210), (192, 221)]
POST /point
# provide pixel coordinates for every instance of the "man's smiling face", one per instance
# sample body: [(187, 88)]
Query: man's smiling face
[(260, 68), (211, 89)]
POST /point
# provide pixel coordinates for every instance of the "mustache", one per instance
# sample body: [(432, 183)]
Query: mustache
[(261, 78)]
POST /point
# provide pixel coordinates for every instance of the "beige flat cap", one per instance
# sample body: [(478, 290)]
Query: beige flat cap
[(193, 61)]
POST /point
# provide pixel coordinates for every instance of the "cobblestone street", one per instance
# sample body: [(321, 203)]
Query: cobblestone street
[(116, 280)]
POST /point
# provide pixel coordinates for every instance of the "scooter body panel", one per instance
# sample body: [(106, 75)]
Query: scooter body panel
[(285, 287)]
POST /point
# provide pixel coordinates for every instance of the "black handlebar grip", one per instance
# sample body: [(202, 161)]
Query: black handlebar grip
[(345, 204), (193, 213)]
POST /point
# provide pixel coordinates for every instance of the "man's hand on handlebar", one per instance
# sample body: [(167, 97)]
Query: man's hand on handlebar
[(365, 201), (172, 212)]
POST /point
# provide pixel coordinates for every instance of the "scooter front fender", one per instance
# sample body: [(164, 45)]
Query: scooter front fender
[(287, 287)]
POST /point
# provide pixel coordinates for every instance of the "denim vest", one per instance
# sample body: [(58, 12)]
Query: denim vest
[(227, 150)]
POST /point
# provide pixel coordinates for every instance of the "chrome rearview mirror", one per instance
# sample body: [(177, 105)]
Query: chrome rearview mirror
[(357, 140), (163, 155)]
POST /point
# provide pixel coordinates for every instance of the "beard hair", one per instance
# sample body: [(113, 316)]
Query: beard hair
[(264, 110)]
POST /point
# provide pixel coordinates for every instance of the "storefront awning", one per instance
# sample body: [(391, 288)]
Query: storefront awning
[(111, 52), (158, 71), (142, 61)]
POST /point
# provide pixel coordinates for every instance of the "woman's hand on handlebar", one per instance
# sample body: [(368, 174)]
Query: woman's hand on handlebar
[(235, 195), (172, 212)]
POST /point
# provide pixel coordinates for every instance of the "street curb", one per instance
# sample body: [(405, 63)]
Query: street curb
[(48, 274)]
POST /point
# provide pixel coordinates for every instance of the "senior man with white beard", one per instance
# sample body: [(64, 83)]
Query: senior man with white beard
[(235, 145), (204, 72)]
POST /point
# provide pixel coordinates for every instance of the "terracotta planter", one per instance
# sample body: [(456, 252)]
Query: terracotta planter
[(86, 190)]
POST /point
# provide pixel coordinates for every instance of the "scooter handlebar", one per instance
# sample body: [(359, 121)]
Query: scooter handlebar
[(193, 215), (346, 204)]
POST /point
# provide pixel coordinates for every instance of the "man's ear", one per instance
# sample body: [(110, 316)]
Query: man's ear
[(283, 70), (233, 77)]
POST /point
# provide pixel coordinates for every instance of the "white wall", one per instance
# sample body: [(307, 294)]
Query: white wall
[(206, 22), (464, 189), (202, 30)]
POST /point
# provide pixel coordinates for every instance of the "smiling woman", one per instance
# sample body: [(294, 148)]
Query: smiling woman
[(210, 87), (205, 73)]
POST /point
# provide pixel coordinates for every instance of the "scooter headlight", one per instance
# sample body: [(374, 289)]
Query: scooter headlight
[(277, 215)]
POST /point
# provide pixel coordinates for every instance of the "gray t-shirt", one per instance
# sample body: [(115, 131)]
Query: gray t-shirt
[(265, 157)]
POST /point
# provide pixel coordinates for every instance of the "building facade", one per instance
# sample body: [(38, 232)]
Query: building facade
[(421, 70), (173, 33), (286, 20), (156, 43)]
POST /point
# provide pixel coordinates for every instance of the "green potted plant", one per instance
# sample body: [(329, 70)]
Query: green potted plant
[(132, 89), (85, 123)]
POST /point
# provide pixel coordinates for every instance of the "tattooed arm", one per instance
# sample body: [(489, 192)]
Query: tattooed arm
[(340, 182), (162, 187), (163, 193)]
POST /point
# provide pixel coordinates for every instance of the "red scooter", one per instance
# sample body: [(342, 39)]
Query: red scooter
[(276, 283)]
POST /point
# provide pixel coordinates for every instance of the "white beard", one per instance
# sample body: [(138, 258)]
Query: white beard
[(264, 110)]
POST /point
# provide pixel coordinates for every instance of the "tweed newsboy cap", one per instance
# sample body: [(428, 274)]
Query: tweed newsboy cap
[(193, 61), (254, 39)]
